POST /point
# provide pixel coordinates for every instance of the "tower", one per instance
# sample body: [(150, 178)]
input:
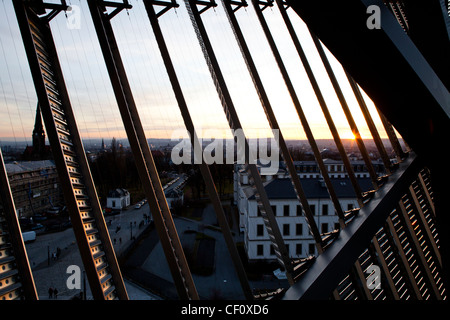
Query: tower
[(39, 149)]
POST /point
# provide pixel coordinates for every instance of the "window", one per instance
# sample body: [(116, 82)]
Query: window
[(350, 206), (313, 208), (298, 229), (312, 248), (259, 229), (286, 230), (298, 249), (299, 210), (274, 209), (286, 210), (260, 250), (324, 209), (258, 212), (324, 227), (272, 250)]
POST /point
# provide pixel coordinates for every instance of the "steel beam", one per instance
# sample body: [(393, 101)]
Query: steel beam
[(300, 51), (265, 103), (397, 76), (299, 108), (94, 243), (323, 276), (411, 280), (370, 124), (204, 168), (387, 65), (141, 151), (388, 276), (234, 123), (16, 278), (321, 100), (347, 112), (428, 30), (425, 226), (415, 245)]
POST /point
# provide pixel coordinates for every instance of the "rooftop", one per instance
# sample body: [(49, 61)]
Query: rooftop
[(25, 166), (118, 193), (314, 188)]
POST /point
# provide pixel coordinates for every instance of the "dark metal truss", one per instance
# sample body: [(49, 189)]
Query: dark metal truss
[(87, 219), (400, 225)]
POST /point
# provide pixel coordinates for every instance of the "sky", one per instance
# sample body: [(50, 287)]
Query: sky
[(93, 100)]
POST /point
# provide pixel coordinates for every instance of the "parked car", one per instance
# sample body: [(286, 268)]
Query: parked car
[(54, 211), (138, 206), (39, 217), (37, 227)]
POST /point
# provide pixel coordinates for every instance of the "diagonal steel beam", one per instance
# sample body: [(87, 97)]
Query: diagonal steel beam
[(265, 103), (15, 268), (80, 195), (299, 108), (323, 276), (234, 123), (397, 76), (141, 151), (386, 64), (204, 169), (347, 112)]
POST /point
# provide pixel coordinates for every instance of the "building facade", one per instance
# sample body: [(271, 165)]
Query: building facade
[(118, 199), (35, 186), (288, 211)]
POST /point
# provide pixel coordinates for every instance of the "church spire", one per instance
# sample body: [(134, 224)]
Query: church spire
[(38, 134)]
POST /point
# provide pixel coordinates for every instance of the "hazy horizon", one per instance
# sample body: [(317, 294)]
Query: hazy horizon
[(92, 97)]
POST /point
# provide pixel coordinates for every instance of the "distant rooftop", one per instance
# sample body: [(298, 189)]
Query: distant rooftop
[(25, 166)]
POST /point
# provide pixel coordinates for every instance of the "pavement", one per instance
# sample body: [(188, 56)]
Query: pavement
[(146, 273), (50, 272), (147, 263)]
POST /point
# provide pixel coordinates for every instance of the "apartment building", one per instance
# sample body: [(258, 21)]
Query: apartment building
[(287, 209), (35, 186)]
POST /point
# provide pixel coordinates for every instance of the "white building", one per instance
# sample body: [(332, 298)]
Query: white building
[(287, 209), (118, 199)]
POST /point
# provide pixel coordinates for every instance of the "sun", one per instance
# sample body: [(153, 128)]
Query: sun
[(348, 135)]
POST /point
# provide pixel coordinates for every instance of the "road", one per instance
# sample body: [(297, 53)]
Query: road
[(150, 266), (223, 283), (49, 272)]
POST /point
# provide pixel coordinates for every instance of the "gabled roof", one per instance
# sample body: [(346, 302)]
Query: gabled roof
[(313, 187), (118, 193)]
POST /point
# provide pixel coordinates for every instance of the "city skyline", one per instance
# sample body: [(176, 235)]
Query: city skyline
[(93, 100)]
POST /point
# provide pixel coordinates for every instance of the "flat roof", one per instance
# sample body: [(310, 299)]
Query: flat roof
[(25, 166)]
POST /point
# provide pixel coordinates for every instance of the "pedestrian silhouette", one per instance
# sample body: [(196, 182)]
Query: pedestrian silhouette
[(50, 292), (55, 292)]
